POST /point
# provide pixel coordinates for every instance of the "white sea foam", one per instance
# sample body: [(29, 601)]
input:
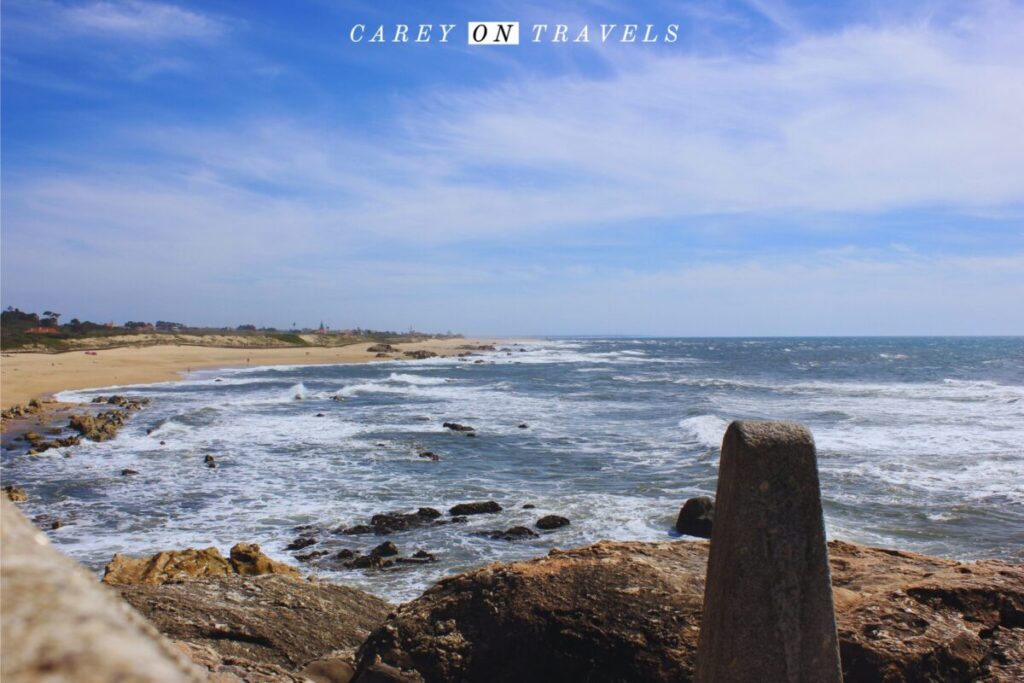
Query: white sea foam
[(615, 440), (706, 430)]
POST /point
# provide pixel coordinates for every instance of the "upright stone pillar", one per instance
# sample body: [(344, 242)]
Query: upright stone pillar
[(768, 614)]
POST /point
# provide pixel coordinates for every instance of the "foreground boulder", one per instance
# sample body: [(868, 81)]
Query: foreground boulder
[(631, 611), (264, 628), (59, 624), (174, 565)]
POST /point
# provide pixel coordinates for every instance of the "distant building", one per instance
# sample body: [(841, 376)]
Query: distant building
[(321, 329)]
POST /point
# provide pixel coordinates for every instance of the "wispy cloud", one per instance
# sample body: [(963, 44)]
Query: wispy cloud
[(136, 20), (893, 116)]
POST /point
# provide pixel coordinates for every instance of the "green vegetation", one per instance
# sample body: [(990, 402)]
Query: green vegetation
[(20, 330), (288, 338)]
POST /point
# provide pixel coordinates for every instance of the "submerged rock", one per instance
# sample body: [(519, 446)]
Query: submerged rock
[(696, 517), (478, 508), (456, 427), (174, 565), (631, 611), (516, 533)]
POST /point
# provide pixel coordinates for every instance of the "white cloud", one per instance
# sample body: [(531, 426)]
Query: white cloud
[(890, 117), (137, 20)]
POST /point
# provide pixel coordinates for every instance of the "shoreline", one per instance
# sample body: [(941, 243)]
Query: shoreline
[(30, 375)]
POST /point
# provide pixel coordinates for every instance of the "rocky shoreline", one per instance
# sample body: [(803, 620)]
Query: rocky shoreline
[(612, 611)]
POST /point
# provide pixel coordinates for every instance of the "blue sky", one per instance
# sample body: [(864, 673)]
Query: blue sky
[(783, 168)]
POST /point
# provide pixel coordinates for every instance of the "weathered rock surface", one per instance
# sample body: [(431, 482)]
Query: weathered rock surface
[(59, 624), (631, 611), (246, 559), (264, 628), (696, 517), (381, 348)]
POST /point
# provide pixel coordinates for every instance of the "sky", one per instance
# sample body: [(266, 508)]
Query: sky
[(782, 168)]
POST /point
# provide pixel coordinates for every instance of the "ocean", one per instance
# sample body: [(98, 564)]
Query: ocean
[(919, 445)]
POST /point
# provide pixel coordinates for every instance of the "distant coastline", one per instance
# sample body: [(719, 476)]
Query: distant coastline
[(28, 375)]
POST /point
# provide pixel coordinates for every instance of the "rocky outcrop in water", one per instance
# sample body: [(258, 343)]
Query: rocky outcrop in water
[(246, 559), (264, 628), (477, 508), (15, 494), (696, 517), (105, 425), (631, 611), (549, 522), (456, 427), (420, 354)]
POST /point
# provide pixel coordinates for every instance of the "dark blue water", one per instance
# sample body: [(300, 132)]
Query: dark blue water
[(919, 445)]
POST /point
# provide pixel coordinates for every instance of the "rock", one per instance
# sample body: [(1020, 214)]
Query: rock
[(59, 624), (385, 549), (418, 557), (45, 521), (208, 459), (529, 506), (524, 426), (388, 522), (456, 427), (100, 427), (128, 472), (320, 415), (248, 560), (176, 565), (244, 625), (552, 522), (632, 611), (768, 595), (310, 556), (15, 494), (516, 533), (301, 542), (381, 348), (357, 529), (479, 508), (381, 355), (330, 670), (430, 455), (696, 517), (420, 354), (379, 672)]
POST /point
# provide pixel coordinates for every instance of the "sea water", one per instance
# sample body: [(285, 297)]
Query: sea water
[(919, 446)]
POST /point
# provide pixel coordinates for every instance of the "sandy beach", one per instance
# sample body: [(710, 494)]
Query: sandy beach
[(24, 376)]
